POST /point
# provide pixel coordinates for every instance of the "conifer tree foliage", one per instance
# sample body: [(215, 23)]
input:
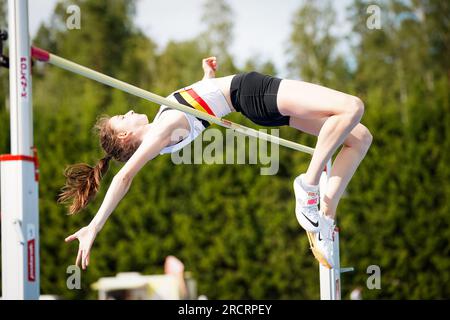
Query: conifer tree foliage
[(234, 229), (390, 216)]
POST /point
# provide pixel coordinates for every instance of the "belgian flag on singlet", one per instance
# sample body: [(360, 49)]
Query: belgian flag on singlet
[(191, 99)]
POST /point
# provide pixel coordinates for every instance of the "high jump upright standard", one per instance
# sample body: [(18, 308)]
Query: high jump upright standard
[(19, 170)]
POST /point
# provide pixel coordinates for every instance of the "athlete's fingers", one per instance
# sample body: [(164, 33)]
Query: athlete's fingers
[(71, 237), (83, 259), (77, 261), (212, 63), (209, 59), (88, 258)]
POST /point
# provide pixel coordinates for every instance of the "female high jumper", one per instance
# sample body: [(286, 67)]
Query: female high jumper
[(331, 115)]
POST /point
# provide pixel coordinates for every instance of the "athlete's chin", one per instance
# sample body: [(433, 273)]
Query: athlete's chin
[(144, 119)]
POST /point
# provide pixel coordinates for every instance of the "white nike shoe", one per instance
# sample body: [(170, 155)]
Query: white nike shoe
[(307, 205), (322, 242)]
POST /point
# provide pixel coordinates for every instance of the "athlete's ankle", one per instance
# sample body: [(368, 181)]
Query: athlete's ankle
[(329, 216), (327, 211), (328, 207), (306, 185)]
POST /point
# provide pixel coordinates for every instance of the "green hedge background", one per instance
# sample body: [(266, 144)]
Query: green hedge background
[(234, 229)]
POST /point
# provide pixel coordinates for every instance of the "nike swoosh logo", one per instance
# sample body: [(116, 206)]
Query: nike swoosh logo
[(315, 224)]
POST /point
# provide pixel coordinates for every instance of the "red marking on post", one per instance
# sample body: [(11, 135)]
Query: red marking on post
[(16, 157), (19, 157), (31, 260), (40, 54)]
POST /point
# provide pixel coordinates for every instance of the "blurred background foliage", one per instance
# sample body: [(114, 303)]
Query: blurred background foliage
[(234, 229)]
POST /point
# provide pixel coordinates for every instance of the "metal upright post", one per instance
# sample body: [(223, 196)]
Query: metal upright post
[(330, 279), (19, 173)]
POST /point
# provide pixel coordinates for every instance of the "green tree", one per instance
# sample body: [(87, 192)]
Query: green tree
[(234, 229), (254, 64), (401, 75), (406, 106), (218, 34), (312, 49), (107, 42)]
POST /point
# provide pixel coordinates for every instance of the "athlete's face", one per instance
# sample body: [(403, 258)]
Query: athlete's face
[(128, 122)]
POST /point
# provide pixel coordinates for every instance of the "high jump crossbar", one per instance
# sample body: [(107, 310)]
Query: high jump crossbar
[(45, 56)]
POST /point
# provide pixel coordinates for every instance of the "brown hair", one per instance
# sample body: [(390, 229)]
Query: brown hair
[(83, 180)]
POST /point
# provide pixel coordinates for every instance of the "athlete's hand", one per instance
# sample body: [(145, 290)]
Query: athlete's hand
[(209, 65), (86, 237)]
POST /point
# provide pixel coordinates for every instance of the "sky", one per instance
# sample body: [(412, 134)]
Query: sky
[(261, 27)]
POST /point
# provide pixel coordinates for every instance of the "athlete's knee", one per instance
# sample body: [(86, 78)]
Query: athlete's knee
[(355, 108), (364, 138), (360, 138)]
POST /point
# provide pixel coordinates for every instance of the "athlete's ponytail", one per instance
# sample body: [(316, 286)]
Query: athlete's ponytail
[(82, 183), (83, 180)]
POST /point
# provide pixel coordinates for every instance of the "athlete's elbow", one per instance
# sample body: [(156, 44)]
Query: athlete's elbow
[(124, 179)]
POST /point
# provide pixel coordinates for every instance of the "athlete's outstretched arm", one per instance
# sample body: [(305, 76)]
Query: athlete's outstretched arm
[(157, 139), (209, 67), (149, 149)]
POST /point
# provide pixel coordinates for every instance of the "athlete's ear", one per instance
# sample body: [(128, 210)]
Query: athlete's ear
[(123, 134)]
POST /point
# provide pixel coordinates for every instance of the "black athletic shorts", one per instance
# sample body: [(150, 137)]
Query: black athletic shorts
[(255, 96)]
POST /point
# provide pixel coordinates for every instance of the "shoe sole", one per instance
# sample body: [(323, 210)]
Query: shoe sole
[(317, 254)]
